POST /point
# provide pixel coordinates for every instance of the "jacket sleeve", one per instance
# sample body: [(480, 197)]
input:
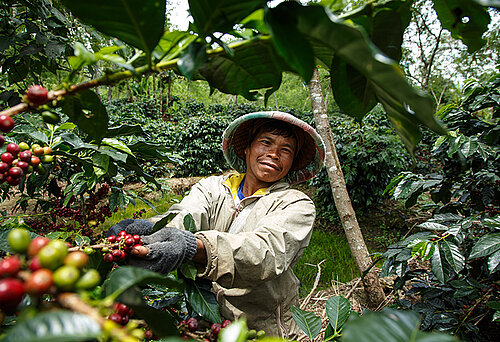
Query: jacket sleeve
[(247, 259), (197, 203)]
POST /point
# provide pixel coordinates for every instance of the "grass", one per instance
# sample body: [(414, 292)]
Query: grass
[(339, 264)]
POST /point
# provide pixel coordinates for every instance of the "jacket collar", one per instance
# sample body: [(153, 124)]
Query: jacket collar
[(233, 180)]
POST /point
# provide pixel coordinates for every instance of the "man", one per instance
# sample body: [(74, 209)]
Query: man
[(251, 227)]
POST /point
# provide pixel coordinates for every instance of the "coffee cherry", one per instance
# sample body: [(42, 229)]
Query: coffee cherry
[(215, 329), (11, 294), (13, 181), (192, 324), (19, 240), (35, 264), (24, 146), (25, 156), (122, 233), (65, 277), (136, 238), (23, 165), (37, 95), (108, 257), (39, 282), (121, 309), (35, 161), (6, 123), (225, 323), (124, 320), (47, 150), (13, 149), (16, 172), (4, 167), (88, 280), (77, 259), (50, 257), (37, 151), (88, 250), (9, 267), (115, 318), (112, 239), (37, 244), (129, 242), (7, 158)]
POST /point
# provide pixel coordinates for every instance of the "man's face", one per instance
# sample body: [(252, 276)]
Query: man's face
[(269, 157)]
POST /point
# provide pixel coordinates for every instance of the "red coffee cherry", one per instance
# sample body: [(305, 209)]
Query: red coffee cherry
[(25, 156), (9, 267), (4, 167), (115, 318), (13, 149), (6, 123), (192, 324), (11, 294), (37, 95), (7, 158), (39, 282), (16, 172)]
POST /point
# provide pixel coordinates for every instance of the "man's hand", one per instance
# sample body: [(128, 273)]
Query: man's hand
[(165, 250)]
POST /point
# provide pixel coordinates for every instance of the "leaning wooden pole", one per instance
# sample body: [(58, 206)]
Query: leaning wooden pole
[(341, 197)]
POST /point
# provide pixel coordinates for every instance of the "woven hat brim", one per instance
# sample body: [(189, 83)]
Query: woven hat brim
[(307, 162)]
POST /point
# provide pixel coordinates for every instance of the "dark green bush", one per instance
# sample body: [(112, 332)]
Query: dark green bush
[(370, 154)]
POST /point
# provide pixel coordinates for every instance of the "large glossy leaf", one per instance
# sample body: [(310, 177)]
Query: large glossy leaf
[(125, 277), (452, 254), (338, 310), (221, 15), (194, 57), (465, 19), (138, 23), (255, 65), (202, 300), (124, 130), (488, 3), (405, 106), (152, 150), (297, 51), (390, 326), (307, 321), (440, 266), (494, 261), (160, 321), (86, 110), (55, 326), (486, 245)]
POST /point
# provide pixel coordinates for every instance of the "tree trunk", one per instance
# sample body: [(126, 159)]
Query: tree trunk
[(359, 251)]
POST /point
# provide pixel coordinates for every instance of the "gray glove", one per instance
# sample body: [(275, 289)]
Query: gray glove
[(131, 226), (168, 248)]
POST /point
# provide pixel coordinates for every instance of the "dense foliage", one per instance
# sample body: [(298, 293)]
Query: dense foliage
[(460, 292)]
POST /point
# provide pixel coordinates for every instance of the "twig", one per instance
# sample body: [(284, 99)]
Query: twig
[(353, 288), (98, 246), (316, 282)]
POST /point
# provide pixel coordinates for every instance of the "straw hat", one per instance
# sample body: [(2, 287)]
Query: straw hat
[(310, 153)]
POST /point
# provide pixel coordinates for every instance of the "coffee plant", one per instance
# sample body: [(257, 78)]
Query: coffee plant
[(460, 292)]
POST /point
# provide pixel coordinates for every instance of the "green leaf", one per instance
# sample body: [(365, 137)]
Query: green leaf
[(489, 3), (255, 65), (492, 222), (432, 226), (88, 113), (161, 322), (189, 223), (124, 130), (65, 126), (308, 322), (194, 57), (117, 199), (56, 326), (221, 15), (486, 245), (405, 106), (101, 164), (172, 44), (338, 310), (440, 266), (163, 222), (138, 23), (465, 20), (125, 277), (453, 255), (117, 144), (235, 332), (203, 301), (297, 51), (390, 326), (493, 261), (188, 270)]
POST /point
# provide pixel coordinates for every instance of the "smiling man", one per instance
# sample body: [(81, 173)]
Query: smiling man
[(251, 226)]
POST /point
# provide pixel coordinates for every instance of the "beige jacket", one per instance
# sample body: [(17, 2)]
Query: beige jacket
[(251, 270)]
